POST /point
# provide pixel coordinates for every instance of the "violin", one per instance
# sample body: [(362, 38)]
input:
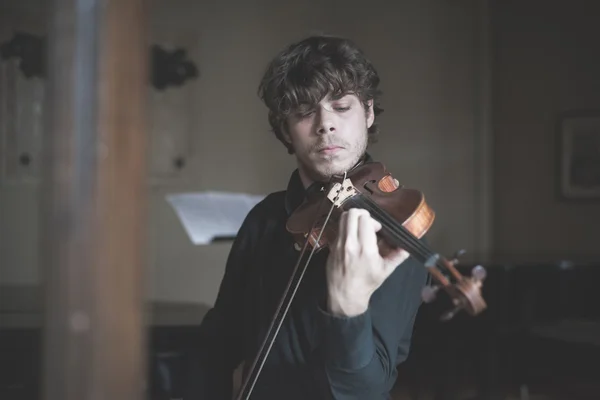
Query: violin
[(405, 218)]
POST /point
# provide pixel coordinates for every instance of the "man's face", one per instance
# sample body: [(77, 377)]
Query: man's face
[(331, 138)]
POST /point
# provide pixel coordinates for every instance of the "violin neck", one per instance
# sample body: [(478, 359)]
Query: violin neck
[(401, 237), (395, 233)]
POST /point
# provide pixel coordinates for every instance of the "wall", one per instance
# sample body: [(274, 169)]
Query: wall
[(545, 63), (429, 54)]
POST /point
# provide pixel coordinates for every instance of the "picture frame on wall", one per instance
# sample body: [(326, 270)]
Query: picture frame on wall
[(579, 155)]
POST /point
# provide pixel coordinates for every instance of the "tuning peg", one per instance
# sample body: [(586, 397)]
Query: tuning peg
[(457, 255), (428, 293), (447, 316), (479, 273)]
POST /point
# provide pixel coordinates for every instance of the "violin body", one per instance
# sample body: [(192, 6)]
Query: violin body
[(371, 179), (405, 217)]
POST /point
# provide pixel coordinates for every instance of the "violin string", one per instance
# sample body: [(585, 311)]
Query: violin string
[(400, 231), (285, 303), (406, 237), (412, 244)]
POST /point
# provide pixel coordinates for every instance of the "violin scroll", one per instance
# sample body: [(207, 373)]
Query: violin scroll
[(465, 291)]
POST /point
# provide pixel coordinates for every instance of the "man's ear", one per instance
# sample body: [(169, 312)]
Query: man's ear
[(370, 114), (286, 136)]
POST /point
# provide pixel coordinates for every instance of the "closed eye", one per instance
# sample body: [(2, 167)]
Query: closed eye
[(304, 114)]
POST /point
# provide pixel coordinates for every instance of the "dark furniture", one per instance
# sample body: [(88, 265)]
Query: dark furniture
[(170, 333), (541, 330), (539, 327)]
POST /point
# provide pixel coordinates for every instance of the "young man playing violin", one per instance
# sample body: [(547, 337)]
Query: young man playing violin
[(351, 320)]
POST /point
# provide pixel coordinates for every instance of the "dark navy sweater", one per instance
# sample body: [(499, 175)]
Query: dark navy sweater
[(316, 355)]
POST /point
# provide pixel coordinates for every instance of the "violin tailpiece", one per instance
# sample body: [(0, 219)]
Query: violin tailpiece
[(339, 192)]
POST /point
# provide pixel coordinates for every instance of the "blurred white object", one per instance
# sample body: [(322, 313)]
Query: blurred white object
[(209, 215)]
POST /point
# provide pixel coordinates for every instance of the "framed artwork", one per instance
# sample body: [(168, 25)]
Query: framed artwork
[(579, 155)]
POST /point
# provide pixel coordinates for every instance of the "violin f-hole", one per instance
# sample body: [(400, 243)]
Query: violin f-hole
[(367, 185)]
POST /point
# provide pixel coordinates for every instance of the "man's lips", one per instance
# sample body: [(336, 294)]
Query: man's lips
[(329, 149)]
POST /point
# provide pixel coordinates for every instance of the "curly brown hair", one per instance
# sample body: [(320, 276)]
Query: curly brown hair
[(306, 71)]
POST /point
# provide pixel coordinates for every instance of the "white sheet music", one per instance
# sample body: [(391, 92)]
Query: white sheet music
[(207, 215)]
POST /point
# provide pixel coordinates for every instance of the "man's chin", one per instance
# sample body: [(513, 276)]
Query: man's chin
[(325, 172), (323, 168)]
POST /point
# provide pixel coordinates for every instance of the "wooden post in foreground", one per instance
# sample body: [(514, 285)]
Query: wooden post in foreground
[(93, 201)]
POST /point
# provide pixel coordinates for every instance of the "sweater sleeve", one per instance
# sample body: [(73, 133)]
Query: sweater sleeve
[(361, 353), (217, 350)]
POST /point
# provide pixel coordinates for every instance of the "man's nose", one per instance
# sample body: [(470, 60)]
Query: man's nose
[(326, 123)]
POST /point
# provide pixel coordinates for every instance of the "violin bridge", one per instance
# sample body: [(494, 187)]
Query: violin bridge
[(340, 192)]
